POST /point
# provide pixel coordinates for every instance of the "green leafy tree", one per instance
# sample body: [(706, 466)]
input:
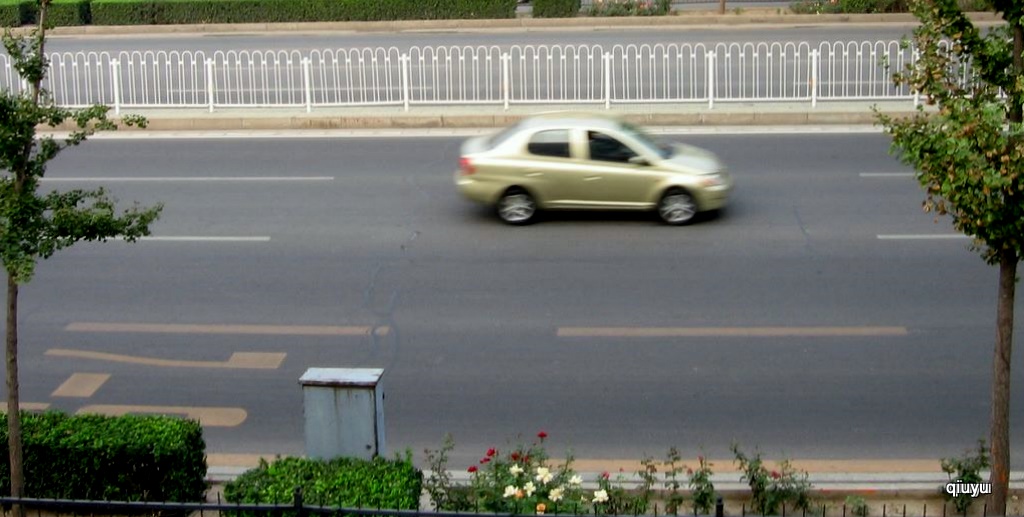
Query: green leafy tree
[(968, 150), (34, 225)]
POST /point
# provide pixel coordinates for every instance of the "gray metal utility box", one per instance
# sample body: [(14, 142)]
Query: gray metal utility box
[(344, 410)]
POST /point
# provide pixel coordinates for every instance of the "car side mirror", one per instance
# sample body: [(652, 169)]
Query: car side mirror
[(639, 160)]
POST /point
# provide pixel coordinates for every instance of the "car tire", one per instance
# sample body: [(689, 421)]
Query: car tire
[(677, 207), (517, 207)]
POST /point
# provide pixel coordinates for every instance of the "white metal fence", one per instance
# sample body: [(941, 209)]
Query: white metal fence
[(477, 75)]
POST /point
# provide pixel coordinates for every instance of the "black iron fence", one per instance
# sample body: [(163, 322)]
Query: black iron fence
[(298, 507)]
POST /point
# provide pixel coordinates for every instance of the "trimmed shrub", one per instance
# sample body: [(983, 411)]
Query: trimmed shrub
[(63, 13), (346, 482), (173, 12), (556, 8), (15, 13), (128, 458)]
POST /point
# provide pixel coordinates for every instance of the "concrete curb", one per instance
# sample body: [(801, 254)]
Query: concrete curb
[(283, 122)]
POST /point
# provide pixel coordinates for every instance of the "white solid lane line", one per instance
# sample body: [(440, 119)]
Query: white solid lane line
[(112, 179), (887, 174), (923, 236), (198, 238)]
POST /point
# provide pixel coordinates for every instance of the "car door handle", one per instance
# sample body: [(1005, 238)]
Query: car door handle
[(592, 178), (533, 174)]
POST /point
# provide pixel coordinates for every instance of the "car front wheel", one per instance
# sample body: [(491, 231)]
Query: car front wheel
[(517, 207), (677, 207)]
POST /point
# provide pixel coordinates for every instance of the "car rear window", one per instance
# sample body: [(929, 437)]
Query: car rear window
[(553, 143), (499, 137)]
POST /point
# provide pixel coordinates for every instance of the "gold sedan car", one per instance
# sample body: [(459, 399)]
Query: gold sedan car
[(567, 161)]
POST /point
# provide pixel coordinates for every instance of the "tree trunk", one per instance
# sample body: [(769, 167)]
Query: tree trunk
[(1000, 431), (13, 395)]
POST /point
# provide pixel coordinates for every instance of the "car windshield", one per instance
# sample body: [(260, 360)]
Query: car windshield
[(663, 149)]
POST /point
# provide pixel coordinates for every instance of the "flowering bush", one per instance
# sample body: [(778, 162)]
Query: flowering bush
[(701, 486), (771, 489), (628, 8), (519, 480)]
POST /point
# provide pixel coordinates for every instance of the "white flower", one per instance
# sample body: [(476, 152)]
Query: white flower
[(556, 494), (600, 496), (576, 480), (529, 488), (510, 491), (516, 470), (544, 475)]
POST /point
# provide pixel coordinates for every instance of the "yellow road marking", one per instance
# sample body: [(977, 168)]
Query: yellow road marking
[(238, 360), (207, 416), (27, 406), (81, 385), (276, 330), (729, 331)]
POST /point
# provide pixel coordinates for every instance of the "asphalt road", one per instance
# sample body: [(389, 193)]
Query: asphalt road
[(474, 321)]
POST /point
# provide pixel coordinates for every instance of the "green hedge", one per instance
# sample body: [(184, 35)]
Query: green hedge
[(346, 482), (556, 8), (68, 12), (15, 13), (173, 12), (129, 458)]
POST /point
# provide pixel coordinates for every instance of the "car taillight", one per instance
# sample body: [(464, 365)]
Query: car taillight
[(466, 166)]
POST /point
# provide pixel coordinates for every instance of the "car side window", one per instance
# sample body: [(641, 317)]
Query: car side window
[(554, 142), (607, 148)]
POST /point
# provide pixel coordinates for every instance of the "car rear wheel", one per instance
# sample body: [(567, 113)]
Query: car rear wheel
[(517, 206), (677, 207)]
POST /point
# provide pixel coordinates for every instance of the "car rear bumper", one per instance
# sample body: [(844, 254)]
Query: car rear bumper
[(478, 191)]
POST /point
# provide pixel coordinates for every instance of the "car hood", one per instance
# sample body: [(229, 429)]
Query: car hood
[(693, 159)]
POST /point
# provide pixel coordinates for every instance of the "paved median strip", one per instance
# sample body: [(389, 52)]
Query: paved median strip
[(652, 332), (270, 330), (199, 238), (238, 360)]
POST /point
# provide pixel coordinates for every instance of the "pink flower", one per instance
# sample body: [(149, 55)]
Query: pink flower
[(605, 475)]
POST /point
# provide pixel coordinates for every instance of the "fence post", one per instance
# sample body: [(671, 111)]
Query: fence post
[(298, 504), (712, 62), (210, 92), (917, 93), (607, 80), (719, 508), (306, 83), (506, 79), (115, 83), (814, 77), (404, 59)]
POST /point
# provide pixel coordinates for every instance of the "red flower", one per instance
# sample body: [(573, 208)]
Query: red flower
[(472, 468), (689, 472), (484, 460), (542, 435), (776, 475), (605, 475), (491, 452), (515, 456)]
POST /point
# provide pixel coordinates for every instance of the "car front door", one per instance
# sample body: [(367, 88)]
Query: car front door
[(615, 181)]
